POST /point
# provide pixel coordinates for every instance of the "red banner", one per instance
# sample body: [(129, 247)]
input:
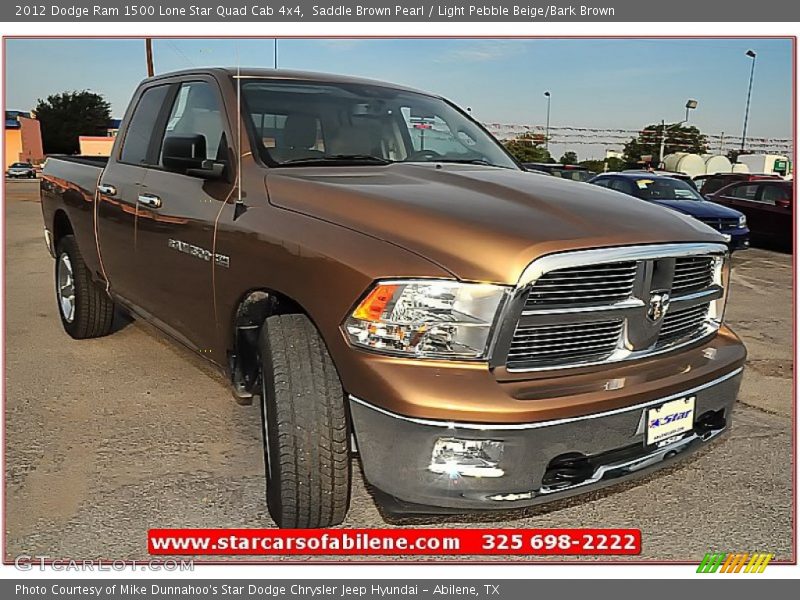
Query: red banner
[(375, 542)]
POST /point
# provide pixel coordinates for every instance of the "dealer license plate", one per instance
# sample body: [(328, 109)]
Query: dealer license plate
[(670, 420)]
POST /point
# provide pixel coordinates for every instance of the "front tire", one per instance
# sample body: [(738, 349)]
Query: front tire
[(306, 433), (86, 310)]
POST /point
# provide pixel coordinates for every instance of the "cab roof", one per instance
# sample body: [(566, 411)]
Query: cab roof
[(284, 74)]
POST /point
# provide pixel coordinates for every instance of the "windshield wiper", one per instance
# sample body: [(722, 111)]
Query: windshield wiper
[(360, 159), (467, 161)]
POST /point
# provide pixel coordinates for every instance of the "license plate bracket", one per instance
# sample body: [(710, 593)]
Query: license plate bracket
[(671, 419)]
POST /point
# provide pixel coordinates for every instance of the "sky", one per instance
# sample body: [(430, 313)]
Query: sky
[(600, 83)]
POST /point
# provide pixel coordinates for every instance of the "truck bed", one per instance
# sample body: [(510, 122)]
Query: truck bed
[(81, 171)]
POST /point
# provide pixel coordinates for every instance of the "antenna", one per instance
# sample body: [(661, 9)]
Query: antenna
[(239, 207)]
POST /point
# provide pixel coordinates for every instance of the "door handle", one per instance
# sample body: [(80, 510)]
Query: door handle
[(150, 200), (106, 189)]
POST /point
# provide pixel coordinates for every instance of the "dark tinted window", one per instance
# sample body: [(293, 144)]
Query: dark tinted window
[(744, 191), (140, 129), (712, 184), (602, 182), (773, 193), (620, 185)]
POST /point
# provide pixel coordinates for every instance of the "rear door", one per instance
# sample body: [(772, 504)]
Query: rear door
[(774, 200), (119, 188), (175, 247), (744, 198)]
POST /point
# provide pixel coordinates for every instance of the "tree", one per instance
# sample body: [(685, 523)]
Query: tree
[(569, 158), (615, 164), (595, 166), (600, 166), (679, 138), (528, 148), (65, 116)]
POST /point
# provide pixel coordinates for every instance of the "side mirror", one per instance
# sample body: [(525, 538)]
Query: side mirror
[(187, 154), (787, 204)]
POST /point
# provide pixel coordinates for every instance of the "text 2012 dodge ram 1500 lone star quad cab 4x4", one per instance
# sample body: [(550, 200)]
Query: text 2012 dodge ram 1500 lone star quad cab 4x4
[(374, 266)]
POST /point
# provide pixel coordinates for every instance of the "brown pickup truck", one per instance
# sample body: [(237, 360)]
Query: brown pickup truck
[(369, 262)]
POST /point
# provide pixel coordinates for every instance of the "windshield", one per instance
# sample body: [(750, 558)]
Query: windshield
[(20, 166), (664, 189), (300, 123)]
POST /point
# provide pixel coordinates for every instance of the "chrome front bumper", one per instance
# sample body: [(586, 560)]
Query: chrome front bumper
[(541, 462)]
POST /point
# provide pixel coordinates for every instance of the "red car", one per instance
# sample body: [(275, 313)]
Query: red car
[(767, 203), (708, 184)]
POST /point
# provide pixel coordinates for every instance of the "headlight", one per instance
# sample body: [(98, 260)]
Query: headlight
[(742, 222), (427, 319)]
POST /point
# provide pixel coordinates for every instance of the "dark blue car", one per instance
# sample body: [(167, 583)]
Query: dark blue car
[(678, 195)]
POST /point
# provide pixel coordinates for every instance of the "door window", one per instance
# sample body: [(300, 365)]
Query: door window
[(196, 111), (621, 186), (140, 129), (771, 194), (745, 191)]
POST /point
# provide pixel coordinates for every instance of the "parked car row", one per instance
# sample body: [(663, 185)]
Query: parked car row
[(739, 205), (679, 195)]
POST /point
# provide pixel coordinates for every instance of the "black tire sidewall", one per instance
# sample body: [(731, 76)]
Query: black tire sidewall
[(270, 432)]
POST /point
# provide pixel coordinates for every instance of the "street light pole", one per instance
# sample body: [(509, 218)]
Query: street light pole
[(547, 127), (690, 105), (752, 55), (275, 53)]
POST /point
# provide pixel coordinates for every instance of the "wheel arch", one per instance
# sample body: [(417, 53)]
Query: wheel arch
[(252, 309), (62, 226)]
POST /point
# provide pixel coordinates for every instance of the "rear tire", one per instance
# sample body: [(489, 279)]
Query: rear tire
[(86, 310), (306, 433)]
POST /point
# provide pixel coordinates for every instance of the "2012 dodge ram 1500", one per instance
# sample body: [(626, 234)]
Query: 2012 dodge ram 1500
[(374, 266)]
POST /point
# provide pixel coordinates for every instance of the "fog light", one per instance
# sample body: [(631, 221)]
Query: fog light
[(466, 458)]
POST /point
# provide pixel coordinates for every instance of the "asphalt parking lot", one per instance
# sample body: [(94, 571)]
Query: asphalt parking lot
[(107, 438)]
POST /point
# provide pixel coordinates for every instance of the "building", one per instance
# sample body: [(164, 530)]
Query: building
[(94, 145), (23, 138)]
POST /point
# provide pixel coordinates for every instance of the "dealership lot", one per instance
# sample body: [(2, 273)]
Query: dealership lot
[(107, 438)]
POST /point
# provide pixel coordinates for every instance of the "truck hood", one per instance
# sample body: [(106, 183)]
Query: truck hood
[(701, 209), (480, 223)]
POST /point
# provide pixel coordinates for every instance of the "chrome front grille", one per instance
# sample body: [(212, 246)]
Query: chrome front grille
[(683, 323), (550, 344), (595, 284), (607, 305), (692, 273), (722, 224)]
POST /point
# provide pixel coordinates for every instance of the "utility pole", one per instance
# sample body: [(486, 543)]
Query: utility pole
[(148, 47), (547, 127)]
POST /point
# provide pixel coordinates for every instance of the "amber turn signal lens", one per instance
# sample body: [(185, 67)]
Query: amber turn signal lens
[(372, 307)]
